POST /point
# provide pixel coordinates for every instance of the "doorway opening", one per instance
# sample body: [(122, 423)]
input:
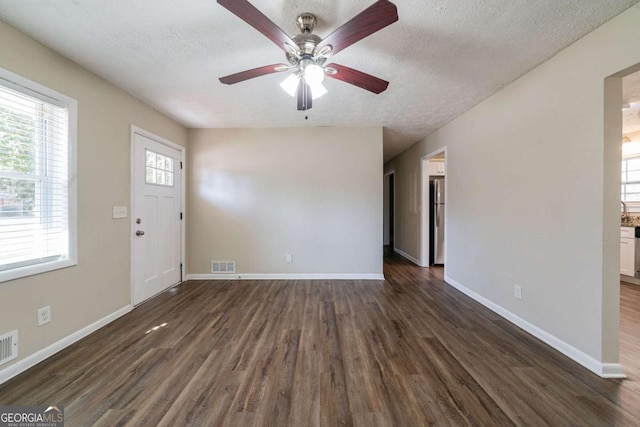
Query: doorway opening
[(388, 216), (629, 284), (433, 221)]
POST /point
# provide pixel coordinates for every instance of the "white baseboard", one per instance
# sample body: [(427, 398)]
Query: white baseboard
[(605, 370), (37, 357), (407, 256), (612, 370), (240, 276)]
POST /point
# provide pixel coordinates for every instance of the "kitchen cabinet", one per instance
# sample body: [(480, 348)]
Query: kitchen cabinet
[(436, 168), (627, 251)]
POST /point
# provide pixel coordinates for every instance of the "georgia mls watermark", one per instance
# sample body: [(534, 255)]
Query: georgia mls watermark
[(31, 416)]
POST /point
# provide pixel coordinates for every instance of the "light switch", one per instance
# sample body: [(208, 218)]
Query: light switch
[(119, 212)]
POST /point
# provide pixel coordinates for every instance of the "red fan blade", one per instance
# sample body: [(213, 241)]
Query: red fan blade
[(252, 16), (250, 74), (304, 96), (358, 78), (370, 20)]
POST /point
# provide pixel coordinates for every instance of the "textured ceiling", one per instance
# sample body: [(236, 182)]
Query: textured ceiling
[(442, 57)]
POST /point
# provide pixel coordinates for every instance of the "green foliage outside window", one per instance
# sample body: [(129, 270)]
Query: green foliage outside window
[(17, 156)]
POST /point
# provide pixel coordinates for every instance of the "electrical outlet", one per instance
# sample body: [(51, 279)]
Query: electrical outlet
[(517, 291), (119, 212), (44, 315), (289, 258)]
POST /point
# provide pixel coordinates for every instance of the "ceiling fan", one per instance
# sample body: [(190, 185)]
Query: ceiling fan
[(307, 53)]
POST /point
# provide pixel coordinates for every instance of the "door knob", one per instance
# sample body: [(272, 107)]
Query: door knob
[(139, 233)]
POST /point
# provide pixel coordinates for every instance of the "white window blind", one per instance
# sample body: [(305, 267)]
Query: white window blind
[(36, 230), (630, 179)]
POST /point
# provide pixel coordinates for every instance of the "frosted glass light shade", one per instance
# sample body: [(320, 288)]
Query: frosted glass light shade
[(313, 74), (290, 84), (317, 90)]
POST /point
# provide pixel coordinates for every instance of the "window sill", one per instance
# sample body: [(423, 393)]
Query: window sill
[(31, 270)]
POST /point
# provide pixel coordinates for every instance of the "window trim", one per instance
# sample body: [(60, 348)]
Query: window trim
[(36, 90)]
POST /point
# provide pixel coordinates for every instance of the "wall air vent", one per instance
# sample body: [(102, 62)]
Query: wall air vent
[(223, 266), (8, 346)]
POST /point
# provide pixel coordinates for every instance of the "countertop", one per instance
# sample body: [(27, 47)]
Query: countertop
[(632, 221)]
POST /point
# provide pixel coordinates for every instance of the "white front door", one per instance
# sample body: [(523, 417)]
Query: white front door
[(157, 202)]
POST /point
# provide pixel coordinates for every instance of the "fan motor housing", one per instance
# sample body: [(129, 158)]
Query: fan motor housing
[(307, 42)]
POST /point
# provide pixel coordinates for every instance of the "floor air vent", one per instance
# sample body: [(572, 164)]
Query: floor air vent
[(223, 266), (8, 347)]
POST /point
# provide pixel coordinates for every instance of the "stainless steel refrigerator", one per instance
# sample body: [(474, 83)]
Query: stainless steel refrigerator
[(436, 227)]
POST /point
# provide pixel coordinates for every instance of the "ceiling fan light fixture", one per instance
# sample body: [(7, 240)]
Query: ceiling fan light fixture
[(313, 74), (290, 84)]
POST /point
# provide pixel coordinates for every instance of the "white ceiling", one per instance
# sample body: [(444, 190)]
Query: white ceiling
[(442, 57)]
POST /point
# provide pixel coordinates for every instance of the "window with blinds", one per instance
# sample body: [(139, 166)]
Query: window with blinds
[(37, 202), (630, 179)]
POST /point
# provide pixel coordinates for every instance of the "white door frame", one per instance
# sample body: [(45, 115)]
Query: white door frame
[(139, 131), (425, 211)]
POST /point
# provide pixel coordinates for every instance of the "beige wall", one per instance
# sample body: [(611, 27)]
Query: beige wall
[(532, 197), (259, 194), (99, 284)]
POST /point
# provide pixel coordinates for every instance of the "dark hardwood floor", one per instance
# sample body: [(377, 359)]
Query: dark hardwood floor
[(409, 351), (630, 329)]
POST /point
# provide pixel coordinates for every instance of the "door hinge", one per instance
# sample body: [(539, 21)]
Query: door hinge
[(180, 165), (180, 266), (180, 215)]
